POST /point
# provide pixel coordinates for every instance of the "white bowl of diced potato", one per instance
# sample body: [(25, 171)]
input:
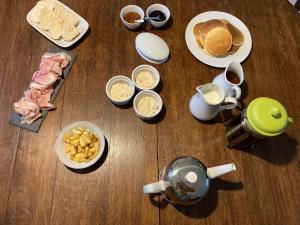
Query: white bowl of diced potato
[(80, 145)]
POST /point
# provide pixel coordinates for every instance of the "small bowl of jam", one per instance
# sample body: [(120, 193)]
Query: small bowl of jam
[(129, 14), (160, 11)]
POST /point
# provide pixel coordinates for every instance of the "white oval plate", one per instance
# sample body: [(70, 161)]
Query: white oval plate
[(60, 42), (220, 62), (60, 144)]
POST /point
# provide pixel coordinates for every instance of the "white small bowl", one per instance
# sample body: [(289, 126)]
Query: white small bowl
[(145, 93), (132, 8), (118, 79), (60, 145), (145, 68), (161, 8)]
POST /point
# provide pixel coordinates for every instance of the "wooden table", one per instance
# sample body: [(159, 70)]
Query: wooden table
[(37, 189)]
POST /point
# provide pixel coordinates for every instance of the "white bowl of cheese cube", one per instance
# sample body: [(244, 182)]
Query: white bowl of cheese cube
[(63, 153)]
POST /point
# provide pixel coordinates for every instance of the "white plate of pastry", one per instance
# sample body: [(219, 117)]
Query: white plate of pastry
[(57, 22), (218, 38)]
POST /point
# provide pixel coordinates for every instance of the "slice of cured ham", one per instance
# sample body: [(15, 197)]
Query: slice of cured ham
[(42, 98), (29, 110), (51, 66), (44, 81), (62, 58)]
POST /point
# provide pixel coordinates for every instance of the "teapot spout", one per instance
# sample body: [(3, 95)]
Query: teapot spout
[(217, 171)]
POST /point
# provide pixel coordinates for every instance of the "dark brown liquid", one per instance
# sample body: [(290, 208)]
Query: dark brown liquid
[(161, 16), (232, 77), (131, 17)]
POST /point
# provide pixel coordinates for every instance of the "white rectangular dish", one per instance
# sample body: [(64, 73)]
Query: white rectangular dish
[(83, 24)]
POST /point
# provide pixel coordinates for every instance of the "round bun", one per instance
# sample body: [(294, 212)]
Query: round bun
[(206, 27), (198, 35), (237, 35), (218, 41)]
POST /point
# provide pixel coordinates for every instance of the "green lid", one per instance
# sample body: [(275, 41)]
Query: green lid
[(267, 116)]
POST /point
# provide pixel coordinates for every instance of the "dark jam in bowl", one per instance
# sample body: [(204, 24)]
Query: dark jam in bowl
[(159, 14), (131, 17)]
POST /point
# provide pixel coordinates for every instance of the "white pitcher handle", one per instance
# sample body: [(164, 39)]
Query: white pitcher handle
[(231, 100), (237, 91), (156, 187)]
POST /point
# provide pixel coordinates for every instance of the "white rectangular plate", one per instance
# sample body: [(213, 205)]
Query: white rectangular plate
[(60, 42)]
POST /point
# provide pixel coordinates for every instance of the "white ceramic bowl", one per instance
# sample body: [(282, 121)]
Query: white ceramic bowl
[(132, 8), (60, 144), (161, 8), (147, 93), (145, 68), (118, 79)]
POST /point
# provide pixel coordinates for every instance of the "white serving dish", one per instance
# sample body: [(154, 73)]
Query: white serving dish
[(151, 60), (220, 62), (83, 24), (161, 8), (116, 79), (149, 69), (152, 47), (60, 144), (145, 93), (132, 8)]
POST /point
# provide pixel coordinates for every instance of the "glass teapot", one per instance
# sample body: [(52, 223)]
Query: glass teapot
[(185, 181)]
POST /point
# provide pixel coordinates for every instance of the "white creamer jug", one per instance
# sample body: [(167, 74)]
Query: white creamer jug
[(208, 102)]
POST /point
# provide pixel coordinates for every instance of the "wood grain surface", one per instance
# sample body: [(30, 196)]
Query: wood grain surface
[(36, 188)]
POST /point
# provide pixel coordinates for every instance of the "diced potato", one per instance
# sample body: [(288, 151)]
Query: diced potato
[(91, 145), (81, 145), (67, 138), (96, 145), (93, 156), (81, 155), (75, 142), (95, 139), (92, 150), (76, 131), (72, 152), (76, 159), (86, 137), (81, 129), (82, 142)]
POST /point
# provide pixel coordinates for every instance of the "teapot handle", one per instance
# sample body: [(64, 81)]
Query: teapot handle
[(230, 106), (156, 187)]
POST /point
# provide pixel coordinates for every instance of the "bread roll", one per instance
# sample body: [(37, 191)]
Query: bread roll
[(218, 41), (206, 27), (237, 35)]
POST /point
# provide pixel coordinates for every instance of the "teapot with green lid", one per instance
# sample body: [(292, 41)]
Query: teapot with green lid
[(264, 117)]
